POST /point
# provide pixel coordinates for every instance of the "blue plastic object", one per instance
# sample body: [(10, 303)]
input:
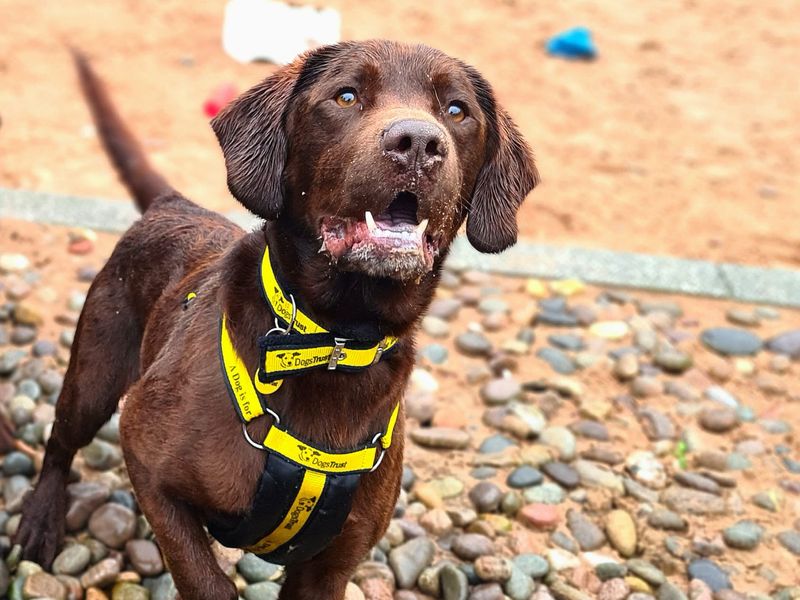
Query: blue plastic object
[(575, 43)]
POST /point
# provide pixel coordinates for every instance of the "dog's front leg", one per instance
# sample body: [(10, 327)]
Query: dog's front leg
[(183, 541)]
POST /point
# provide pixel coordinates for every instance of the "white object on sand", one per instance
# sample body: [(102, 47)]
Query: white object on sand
[(275, 31)]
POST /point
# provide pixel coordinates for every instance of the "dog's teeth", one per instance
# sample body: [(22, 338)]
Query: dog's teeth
[(370, 221), (422, 227), (321, 248)]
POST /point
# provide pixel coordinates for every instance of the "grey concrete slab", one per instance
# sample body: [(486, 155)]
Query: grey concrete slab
[(526, 259)]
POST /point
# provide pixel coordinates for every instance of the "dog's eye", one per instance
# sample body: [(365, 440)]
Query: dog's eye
[(456, 111), (346, 97)]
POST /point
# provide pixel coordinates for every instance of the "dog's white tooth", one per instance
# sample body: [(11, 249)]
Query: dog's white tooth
[(422, 227), (370, 221), (321, 248)]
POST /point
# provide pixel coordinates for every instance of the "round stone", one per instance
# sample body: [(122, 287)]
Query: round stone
[(558, 360), (493, 568), (408, 560), (666, 519), (546, 493), (435, 327), (500, 391), (626, 367), (524, 476), (709, 573), (532, 565), (264, 590), (113, 524), (560, 438), (146, 559), (11, 262), (744, 535), (17, 463), (469, 546), (72, 560), (562, 473), (610, 330), (621, 532), (791, 541), (101, 455), (540, 516), (588, 535), (646, 469), (730, 341), (486, 497), (441, 438), (673, 361), (787, 343), (472, 343), (434, 353), (495, 443), (718, 420)]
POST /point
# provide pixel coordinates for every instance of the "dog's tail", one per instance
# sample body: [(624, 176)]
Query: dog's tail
[(135, 171)]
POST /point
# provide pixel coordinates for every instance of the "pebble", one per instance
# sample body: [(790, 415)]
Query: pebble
[(657, 425), (532, 565), (562, 473), (441, 438), (519, 586), (540, 516), (709, 573), (787, 343), (667, 520), (500, 391), (469, 546), (621, 532), (43, 585), (559, 361), (101, 455), (669, 591), (435, 326), (730, 341), (472, 343), (409, 559), (524, 476), (744, 535), (560, 438), (453, 583), (791, 541), (644, 386), (146, 559), (593, 474), (493, 568), (445, 308), (610, 330), (113, 524), (588, 535), (626, 367), (646, 571), (613, 589), (646, 469), (718, 420), (566, 341), (697, 481), (486, 497), (693, 502), (72, 560), (495, 443), (102, 574)]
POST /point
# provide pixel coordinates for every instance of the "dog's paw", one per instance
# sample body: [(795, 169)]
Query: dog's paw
[(41, 529)]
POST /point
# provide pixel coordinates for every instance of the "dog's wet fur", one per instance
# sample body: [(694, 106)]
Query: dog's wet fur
[(345, 129)]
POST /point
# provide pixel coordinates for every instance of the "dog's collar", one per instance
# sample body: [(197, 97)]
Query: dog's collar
[(298, 343)]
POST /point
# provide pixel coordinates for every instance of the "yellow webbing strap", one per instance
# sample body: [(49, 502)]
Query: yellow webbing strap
[(284, 443), (237, 377), (303, 506), (281, 305), (386, 438), (289, 360)]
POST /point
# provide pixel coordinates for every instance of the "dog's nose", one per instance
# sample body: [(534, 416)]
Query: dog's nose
[(414, 142)]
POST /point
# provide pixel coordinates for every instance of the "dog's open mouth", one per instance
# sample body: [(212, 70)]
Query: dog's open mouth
[(390, 244)]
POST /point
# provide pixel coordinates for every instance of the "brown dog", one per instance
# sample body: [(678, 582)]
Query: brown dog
[(376, 150)]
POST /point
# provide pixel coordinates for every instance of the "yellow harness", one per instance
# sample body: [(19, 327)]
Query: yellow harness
[(314, 486)]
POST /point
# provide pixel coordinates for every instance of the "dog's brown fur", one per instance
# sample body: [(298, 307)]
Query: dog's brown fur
[(292, 158)]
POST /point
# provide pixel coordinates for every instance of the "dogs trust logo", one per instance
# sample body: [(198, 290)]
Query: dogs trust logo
[(303, 505), (307, 455), (288, 359)]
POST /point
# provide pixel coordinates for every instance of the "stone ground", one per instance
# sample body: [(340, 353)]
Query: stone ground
[(564, 441)]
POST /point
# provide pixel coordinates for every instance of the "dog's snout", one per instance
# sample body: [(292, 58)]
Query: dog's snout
[(414, 142)]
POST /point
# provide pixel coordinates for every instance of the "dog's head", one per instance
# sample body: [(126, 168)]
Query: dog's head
[(380, 150)]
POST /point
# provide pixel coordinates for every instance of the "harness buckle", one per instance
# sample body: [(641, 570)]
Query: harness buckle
[(379, 351), (337, 354)]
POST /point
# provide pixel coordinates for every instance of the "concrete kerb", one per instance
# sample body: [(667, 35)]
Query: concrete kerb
[(667, 274)]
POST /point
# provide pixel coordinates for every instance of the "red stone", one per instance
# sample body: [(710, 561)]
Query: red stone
[(540, 516), (80, 246)]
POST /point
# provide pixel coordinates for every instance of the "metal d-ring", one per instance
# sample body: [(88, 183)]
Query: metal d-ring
[(250, 441)]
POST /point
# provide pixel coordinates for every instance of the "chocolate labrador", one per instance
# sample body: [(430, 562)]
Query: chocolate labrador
[(265, 371)]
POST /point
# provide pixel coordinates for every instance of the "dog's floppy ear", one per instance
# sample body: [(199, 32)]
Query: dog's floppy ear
[(507, 175), (251, 133)]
